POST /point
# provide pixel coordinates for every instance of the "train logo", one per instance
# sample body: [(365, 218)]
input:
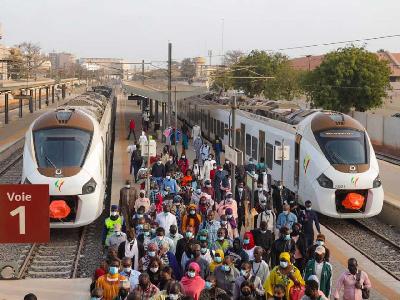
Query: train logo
[(58, 184), (306, 163), (354, 180)]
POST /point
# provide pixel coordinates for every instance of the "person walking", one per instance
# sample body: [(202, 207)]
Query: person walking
[(111, 281), (132, 126), (286, 218), (242, 197), (127, 199), (217, 145), (354, 282), (192, 283), (307, 219)]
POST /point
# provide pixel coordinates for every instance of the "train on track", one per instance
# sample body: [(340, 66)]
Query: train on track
[(68, 149), (330, 157)]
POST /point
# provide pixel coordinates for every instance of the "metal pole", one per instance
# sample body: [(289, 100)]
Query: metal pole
[(176, 123), (40, 98), (143, 72), (31, 101), (233, 179), (35, 101), (47, 96), (169, 84), (282, 161), (52, 94), (20, 108), (6, 108), (148, 166)]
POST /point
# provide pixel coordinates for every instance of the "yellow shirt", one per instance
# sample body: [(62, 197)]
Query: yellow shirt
[(276, 277)]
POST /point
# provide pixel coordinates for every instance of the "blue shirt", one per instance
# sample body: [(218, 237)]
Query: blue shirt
[(171, 183), (212, 229), (286, 220)]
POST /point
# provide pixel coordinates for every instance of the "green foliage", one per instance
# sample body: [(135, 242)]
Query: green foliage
[(188, 68), (348, 78)]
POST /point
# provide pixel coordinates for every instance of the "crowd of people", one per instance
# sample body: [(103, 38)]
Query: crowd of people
[(187, 235)]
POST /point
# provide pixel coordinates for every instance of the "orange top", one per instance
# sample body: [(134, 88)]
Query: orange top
[(110, 285), (186, 180)]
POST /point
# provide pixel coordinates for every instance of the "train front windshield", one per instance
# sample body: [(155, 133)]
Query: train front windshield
[(343, 146), (61, 147)]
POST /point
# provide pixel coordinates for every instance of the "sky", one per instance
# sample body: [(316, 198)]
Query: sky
[(141, 29)]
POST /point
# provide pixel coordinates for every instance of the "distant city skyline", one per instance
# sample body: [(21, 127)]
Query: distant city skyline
[(136, 30)]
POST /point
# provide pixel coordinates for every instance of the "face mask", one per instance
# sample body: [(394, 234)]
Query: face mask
[(173, 297), (260, 188), (151, 253), (208, 285), (209, 158), (287, 237), (320, 243), (183, 157), (286, 212), (191, 274), (223, 222), (188, 234), (268, 211), (244, 273), (154, 270), (246, 241), (95, 298), (118, 233), (203, 238), (283, 264), (214, 168), (229, 216), (160, 237), (218, 259), (139, 216), (203, 251), (127, 270), (113, 270), (263, 231), (168, 177), (221, 238), (240, 189), (153, 230), (192, 212), (308, 208), (146, 233), (128, 186), (208, 185), (114, 213), (226, 268)]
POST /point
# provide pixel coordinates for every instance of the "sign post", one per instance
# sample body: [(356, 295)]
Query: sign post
[(148, 149), (24, 213)]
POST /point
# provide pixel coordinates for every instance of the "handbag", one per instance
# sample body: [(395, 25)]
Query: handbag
[(364, 290), (296, 292)]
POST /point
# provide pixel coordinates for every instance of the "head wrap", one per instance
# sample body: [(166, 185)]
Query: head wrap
[(250, 245), (285, 256)]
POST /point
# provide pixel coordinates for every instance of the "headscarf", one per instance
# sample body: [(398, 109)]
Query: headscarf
[(285, 256), (250, 245), (214, 264), (232, 220), (193, 286)]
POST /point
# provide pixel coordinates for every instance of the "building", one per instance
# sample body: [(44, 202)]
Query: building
[(61, 60), (111, 66), (4, 54)]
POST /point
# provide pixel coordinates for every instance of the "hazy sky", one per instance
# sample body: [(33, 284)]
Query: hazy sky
[(141, 29)]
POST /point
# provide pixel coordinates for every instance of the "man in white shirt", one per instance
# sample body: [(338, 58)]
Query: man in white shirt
[(175, 236), (165, 219), (161, 238)]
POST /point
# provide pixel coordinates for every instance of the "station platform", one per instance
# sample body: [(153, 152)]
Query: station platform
[(384, 286)]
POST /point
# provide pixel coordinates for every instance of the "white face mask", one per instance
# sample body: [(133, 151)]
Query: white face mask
[(128, 270), (114, 213), (283, 264), (168, 177), (154, 270), (128, 186), (240, 189)]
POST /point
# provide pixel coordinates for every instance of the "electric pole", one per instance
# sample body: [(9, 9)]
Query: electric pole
[(233, 179), (169, 84), (143, 72)]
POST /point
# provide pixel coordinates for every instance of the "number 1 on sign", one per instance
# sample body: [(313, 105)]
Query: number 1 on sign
[(20, 210)]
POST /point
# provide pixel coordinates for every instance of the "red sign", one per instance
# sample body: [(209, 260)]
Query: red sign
[(24, 213)]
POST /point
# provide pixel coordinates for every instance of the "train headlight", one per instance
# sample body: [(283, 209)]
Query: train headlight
[(325, 182), (89, 187), (377, 182)]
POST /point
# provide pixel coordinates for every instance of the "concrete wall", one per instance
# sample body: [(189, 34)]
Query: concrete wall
[(384, 131)]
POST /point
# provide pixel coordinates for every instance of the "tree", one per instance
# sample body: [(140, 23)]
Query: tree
[(15, 64), (25, 60), (188, 68), (349, 77), (221, 80), (233, 57)]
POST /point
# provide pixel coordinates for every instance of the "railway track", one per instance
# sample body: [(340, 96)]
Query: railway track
[(376, 246), (388, 158), (56, 259), (10, 165)]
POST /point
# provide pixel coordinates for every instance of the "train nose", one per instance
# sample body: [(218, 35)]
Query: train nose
[(353, 201)]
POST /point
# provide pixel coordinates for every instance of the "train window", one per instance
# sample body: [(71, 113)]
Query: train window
[(278, 162), (218, 127), (254, 148), (269, 155), (237, 142), (225, 129), (206, 121), (248, 144), (215, 126)]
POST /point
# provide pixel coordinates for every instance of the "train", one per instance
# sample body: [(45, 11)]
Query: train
[(328, 156), (68, 148)]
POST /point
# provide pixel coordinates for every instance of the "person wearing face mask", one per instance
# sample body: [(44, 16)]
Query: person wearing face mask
[(110, 282), (170, 184), (158, 172), (145, 289), (110, 222), (261, 199), (178, 209), (246, 274), (207, 167), (131, 248), (213, 172), (161, 238), (154, 270), (196, 174), (267, 215), (187, 179), (321, 269), (226, 275), (300, 248), (228, 222), (212, 226), (195, 198), (205, 152), (308, 218), (352, 281), (191, 218), (319, 241), (171, 166), (218, 257), (217, 181), (259, 266), (124, 290), (127, 200), (237, 253), (142, 201), (217, 146), (168, 259), (283, 244), (248, 244), (183, 244), (183, 164), (211, 291), (204, 266), (264, 238), (192, 283), (117, 237), (285, 274), (131, 274), (286, 218), (242, 197), (229, 202), (222, 242), (144, 237), (175, 236), (205, 252), (165, 219), (208, 189), (144, 262)]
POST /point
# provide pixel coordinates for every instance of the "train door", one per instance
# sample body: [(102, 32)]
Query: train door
[(261, 144), (243, 137), (297, 160)]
